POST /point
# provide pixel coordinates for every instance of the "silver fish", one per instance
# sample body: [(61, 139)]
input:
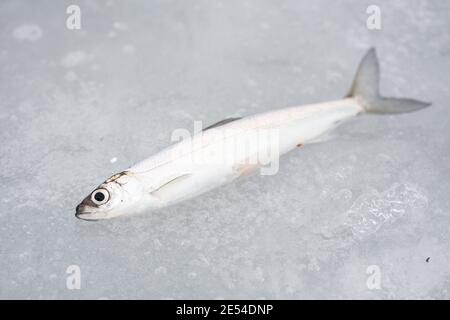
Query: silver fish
[(190, 167)]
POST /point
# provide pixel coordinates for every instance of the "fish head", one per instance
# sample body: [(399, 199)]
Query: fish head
[(122, 194)]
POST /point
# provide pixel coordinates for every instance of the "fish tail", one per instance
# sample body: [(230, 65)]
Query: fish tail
[(365, 90)]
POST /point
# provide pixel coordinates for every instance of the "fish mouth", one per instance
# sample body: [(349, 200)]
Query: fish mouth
[(87, 216), (83, 214)]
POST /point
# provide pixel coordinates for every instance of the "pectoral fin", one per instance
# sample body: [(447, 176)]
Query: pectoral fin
[(168, 184)]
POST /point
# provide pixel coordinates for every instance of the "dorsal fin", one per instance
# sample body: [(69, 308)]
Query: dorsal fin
[(221, 123)]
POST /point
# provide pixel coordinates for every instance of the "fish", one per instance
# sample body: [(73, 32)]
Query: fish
[(236, 147)]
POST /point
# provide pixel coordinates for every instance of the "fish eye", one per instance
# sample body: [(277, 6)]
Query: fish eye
[(100, 196)]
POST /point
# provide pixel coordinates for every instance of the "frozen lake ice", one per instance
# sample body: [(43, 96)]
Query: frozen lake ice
[(364, 215)]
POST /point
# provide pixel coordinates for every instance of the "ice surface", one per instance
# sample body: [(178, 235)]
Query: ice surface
[(77, 106)]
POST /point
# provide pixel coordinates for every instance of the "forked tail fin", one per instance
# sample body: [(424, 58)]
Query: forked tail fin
[(365, 90)]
